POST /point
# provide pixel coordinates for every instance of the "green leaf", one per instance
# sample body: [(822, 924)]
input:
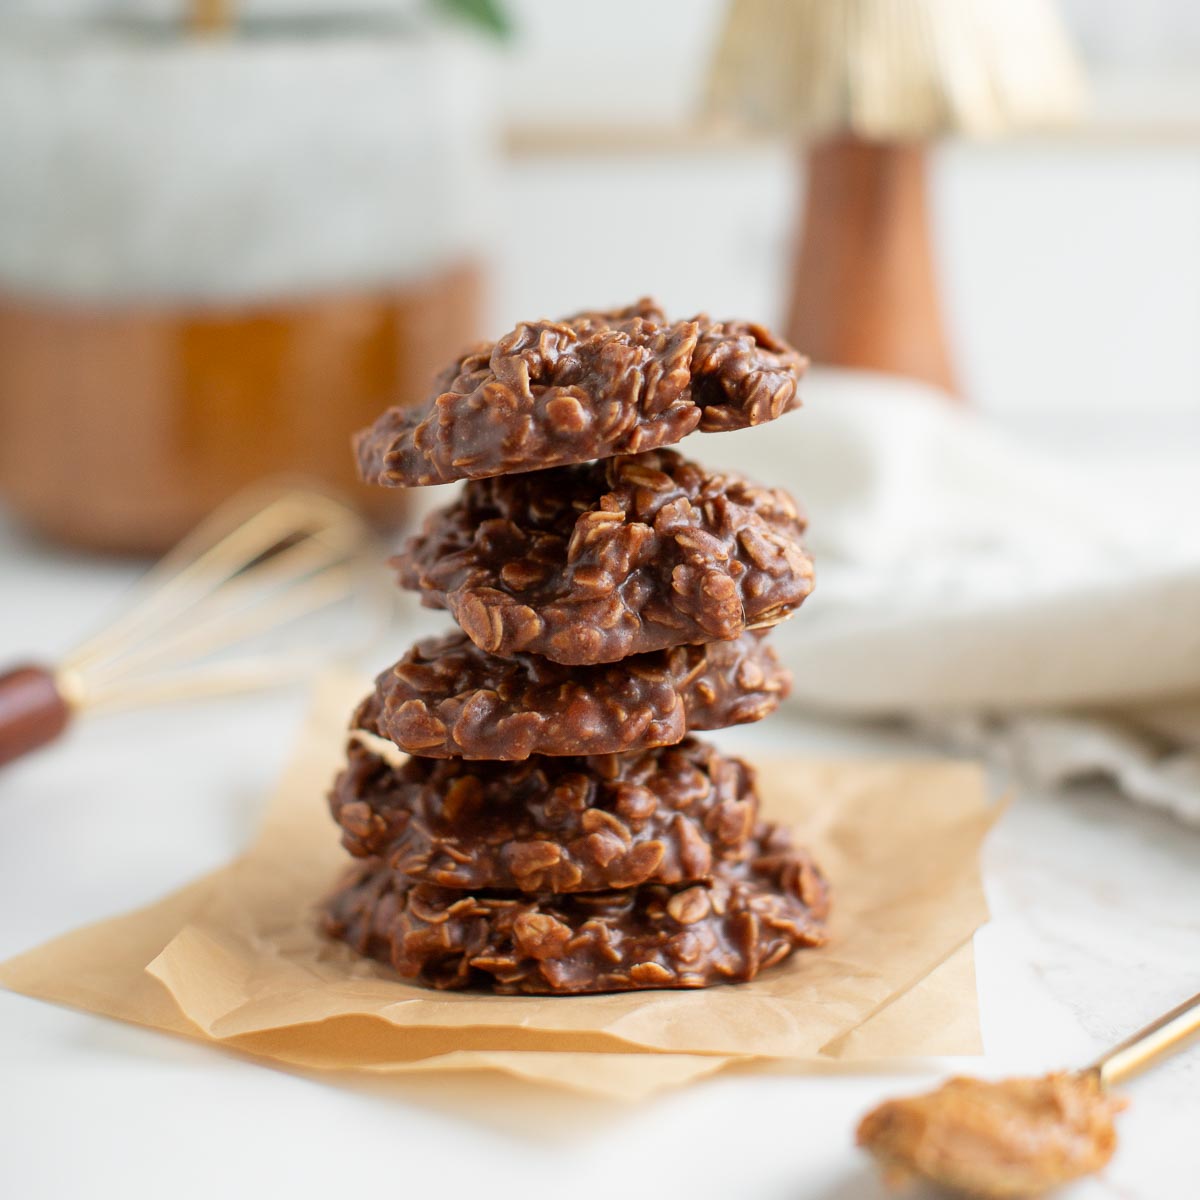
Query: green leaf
[(488, 14)]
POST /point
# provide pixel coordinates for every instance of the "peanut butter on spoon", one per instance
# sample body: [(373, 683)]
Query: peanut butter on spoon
[(1017, 1137), (1014, 1137)]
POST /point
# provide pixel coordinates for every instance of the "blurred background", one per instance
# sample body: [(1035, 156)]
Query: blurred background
[(233, 232), (228, 231)]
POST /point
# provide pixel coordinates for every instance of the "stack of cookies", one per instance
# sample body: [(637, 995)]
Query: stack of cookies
[(557, 828)]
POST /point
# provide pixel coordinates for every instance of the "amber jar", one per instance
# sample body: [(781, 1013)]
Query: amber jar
[(197, 297), (121, 427)]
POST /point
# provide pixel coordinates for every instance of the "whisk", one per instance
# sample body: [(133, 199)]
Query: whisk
[(201, 622)]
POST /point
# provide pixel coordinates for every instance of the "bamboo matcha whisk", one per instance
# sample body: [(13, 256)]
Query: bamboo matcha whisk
[(222, 613), (867, 82)]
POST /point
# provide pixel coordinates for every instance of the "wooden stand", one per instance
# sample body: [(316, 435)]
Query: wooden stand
[(126, 423), (210, 16), (864, 292)]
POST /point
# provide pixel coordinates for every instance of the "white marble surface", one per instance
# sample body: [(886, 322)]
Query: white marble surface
[(1096, 929)]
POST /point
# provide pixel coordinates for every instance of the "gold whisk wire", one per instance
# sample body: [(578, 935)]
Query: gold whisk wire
[(257, 566)]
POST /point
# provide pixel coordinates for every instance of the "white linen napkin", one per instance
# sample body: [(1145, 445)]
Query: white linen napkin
[(1014, 605)]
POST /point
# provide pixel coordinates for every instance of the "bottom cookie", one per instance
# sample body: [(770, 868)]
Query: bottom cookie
[(752, 915)]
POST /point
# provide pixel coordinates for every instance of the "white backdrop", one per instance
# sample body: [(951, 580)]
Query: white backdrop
[(1069, 268)]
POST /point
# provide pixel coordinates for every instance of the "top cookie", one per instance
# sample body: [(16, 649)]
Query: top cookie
[(591, 386)]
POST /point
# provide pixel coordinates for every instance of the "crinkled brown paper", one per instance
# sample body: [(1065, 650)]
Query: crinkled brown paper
[(236, 958)]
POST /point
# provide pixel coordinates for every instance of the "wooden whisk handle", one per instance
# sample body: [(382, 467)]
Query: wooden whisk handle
[(32, 710)]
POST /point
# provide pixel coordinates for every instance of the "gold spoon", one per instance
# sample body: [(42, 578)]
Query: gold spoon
[(1017, 1137)]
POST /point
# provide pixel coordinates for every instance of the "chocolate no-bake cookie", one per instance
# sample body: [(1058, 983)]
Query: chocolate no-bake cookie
[(670, 815), (556, 828), (591, 563), (590, 386), (752, 915), (447, 698)]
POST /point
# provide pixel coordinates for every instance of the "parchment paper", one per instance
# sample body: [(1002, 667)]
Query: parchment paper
[(236, 958)]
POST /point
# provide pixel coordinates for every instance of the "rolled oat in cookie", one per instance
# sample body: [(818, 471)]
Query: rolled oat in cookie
[(447, 698), (669, 815), (589, 386), (591, 563), (752, 915)]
